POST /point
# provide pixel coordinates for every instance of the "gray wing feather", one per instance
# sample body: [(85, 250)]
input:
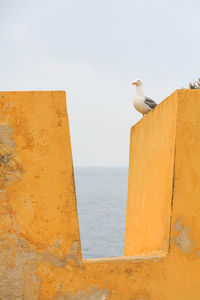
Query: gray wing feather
[(149, 102)]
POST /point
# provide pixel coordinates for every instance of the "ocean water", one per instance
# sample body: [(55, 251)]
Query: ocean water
[(101, 197)]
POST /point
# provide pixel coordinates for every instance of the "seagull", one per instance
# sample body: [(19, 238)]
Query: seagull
[(142, 103)]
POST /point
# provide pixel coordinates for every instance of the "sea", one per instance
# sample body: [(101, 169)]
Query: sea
[(101, 198)]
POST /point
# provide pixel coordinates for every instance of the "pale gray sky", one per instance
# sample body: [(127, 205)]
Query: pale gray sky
[(94, 50)]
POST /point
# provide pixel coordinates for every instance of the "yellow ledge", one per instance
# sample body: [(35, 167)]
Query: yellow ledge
[(40, 249)]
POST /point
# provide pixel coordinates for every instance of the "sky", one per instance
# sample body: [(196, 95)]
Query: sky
[(94, 50)]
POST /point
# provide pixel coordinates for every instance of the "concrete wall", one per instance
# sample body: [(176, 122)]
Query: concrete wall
[(152, 147), (40, 250)]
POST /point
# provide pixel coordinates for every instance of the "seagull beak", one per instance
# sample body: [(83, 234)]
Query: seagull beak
[(133, 83)]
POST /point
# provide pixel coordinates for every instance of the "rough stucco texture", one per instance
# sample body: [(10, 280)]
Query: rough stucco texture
[(40, 252)]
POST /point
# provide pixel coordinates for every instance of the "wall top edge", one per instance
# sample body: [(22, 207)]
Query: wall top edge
[(176, 93), (34, 91)]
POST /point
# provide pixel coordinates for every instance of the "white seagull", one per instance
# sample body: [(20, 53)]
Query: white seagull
[(142, 103)]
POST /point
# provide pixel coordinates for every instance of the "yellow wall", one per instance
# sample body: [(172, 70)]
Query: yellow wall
[(40, 250), (150, 181)]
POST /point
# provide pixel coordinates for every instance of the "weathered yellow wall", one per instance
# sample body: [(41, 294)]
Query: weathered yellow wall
[(151, 181), (40, 247), (38, 206)]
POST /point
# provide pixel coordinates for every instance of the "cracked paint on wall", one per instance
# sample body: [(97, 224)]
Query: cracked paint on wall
[(183, 241), (93, 294)]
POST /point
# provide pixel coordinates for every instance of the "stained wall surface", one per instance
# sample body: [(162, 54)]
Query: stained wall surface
[(40, 251)]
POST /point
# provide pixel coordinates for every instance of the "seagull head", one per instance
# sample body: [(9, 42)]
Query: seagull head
[(138, 82)]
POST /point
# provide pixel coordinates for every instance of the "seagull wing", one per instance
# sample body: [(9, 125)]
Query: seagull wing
[(150, 103)]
